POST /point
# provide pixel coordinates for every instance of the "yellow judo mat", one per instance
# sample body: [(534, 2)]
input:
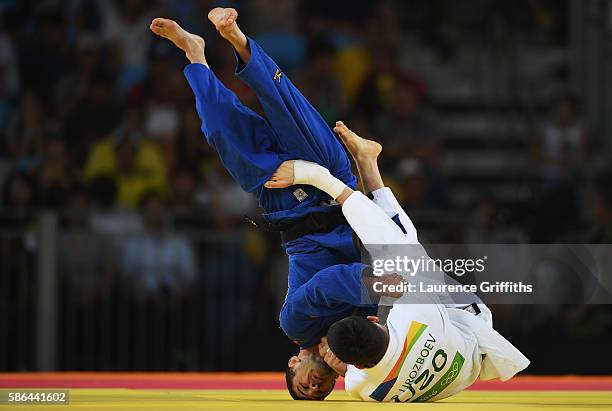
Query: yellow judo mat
[(276, 400), (265, 391)]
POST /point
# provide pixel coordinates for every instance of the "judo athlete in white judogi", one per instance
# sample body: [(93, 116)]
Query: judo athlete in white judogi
[(425, 351)]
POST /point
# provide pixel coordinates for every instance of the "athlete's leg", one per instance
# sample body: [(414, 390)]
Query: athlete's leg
[(246, 144), (301, 130), (365, 153), (371, 224)]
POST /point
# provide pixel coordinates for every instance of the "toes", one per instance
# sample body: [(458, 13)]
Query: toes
[(156, 29), (160, 22), (232, 16), (340, 127), (272, 184), (217, 15), (213, 13), (221, 17), (230, 13), (342, 132)]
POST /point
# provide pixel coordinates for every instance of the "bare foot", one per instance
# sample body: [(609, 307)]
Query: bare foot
[(360, 148), (282, 177), (224, 20), (191, 44)]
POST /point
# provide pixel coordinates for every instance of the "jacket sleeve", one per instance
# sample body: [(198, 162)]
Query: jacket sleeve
[(333, 286)]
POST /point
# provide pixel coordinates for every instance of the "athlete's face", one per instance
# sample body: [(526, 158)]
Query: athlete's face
[(313, 379)]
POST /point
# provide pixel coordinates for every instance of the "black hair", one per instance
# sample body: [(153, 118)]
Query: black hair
[(357, 341)]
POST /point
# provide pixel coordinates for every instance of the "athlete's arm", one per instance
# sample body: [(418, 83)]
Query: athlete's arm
[(331, 360), (342, 284), (338, 284)]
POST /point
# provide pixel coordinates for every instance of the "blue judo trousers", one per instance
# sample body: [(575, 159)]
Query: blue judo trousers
[(324, 279)]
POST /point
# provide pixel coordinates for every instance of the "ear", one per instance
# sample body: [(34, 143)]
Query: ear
[(373, 319), (293, 361)]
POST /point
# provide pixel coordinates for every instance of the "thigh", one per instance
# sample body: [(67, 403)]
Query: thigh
[(301, 130), (244, 141)]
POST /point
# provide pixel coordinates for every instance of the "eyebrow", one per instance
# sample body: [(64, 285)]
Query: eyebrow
[(298, 388)]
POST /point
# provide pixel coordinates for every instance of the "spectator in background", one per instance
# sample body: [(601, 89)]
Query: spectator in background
[(74, 82), (319, 81), (192, 148), (184, 185), (107, 218), (9, 66), (85, 98), (17, 213), (384, 72), (405, 128), (19, 194), (131, 160), (84, 17), (9, 77), (125, 25), (601, 212), (275, 26), (55, 174), (45, 54), (412, 183), (418, 187), (158, 260), (25, 134), (88, 260), (562, 145), (594, 322), (162, 125), (164, 89), (191, 211), (487, 227), (347, 23), (560, 151), (229, 203)]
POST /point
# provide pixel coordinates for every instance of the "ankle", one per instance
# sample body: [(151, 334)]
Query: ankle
[(366, 164), (240, 43), (196, 58)]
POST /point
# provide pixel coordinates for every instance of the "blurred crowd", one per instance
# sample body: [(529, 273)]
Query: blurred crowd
[(98, 123)]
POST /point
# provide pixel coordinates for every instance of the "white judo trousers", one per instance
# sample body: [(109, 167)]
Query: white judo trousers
[(371, 221)]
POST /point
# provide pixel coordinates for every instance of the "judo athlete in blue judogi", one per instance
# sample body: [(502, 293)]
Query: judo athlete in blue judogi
[(324, 279)]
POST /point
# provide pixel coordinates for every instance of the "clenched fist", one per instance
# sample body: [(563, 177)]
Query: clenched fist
[(329, 357)]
